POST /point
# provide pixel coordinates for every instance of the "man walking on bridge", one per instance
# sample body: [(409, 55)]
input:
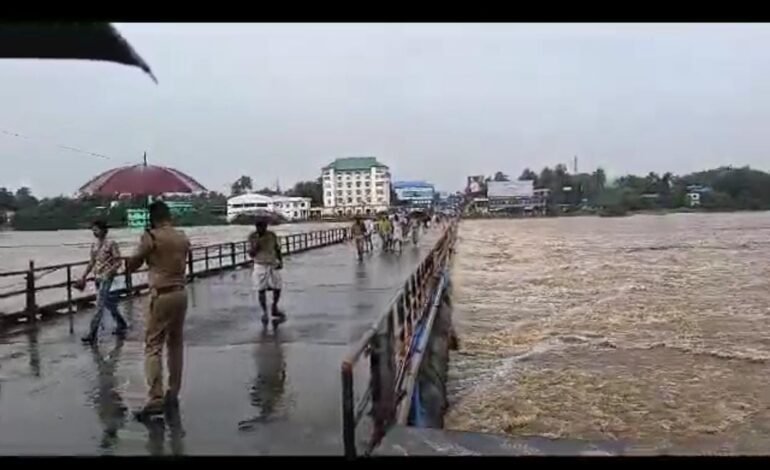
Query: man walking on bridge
[(265, 250), (358, 233), (165, 249), (384, 227), (105, 262)]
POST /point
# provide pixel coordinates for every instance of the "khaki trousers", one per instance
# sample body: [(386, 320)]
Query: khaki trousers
[(164, 324)]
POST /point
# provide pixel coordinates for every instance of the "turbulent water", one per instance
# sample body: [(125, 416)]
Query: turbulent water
[(650, 329)]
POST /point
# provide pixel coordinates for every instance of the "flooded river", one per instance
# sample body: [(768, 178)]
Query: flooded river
[(652, 330), (66, 246)]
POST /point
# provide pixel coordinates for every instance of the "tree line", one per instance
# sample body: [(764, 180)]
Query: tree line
[(309, 189), (723, 188), (63, 213)]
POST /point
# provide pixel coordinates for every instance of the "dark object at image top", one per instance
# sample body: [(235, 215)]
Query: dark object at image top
[(60, 40)]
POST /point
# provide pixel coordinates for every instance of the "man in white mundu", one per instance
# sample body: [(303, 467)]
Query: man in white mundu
[(265, 250)]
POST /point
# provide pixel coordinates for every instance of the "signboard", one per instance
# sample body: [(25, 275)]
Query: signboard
[(508, 189), (411, 193), (475, 185)]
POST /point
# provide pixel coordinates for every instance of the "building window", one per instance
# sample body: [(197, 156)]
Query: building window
[(380, 191), (358, 184), (358, 191), (328, 193), (339, 193), (379, 184), (350, 185), (350, 200)]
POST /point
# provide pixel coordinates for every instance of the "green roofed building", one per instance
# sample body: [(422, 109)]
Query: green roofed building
[(356, 185)]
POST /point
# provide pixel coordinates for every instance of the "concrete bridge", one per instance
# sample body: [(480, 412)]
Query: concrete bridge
[(246, 391)]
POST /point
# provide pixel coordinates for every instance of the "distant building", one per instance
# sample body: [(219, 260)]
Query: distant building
[(290, 208), (695, 194), (355, 185), (414, 193), (516, 197)]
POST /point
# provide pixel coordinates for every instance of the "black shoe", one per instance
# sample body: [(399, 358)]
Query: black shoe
[(149, 412), (278, 317), (264, 319)]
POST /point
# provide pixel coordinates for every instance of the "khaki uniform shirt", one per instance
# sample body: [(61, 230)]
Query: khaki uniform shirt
[(165, 250)]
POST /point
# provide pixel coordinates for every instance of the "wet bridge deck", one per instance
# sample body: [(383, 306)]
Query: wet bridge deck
[(245, 392)]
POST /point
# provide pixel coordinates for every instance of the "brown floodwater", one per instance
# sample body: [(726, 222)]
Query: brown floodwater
[(652, 330)]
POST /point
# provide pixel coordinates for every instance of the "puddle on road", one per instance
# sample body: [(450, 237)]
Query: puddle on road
[(644, 329)]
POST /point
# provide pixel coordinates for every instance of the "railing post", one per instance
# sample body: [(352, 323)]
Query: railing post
[(220, 256), (348, 413), (232, 253), (31, 307), (190, 271), (375, 373), (69, 289), (206, 268), (307, 246), (128, 279)]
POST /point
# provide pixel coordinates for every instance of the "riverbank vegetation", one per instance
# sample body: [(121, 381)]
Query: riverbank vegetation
[(720, 189), (23, 211)]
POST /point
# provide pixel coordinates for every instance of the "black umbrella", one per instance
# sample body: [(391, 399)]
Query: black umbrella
[(62, 40)]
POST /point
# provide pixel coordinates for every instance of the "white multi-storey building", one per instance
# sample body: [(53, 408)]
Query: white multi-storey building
[(356, 185), (291, 208)]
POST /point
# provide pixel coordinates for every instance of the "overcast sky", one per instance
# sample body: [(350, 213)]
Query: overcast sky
[(433, 101)]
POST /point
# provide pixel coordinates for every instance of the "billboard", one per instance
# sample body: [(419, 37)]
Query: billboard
[(414, 193), (507, 189), (475, 186), (417, 192)]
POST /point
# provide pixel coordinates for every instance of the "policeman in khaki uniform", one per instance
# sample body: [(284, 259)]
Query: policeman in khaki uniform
[(165, 249)]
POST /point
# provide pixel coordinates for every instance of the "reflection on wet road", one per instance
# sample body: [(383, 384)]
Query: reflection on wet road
[(245, 390), (267, 392), (104, 396)]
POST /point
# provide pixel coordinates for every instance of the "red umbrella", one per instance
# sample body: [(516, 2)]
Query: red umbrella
[(63, 40)]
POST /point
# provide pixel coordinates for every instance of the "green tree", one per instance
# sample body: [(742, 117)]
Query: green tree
[(7, 200), (24, 198), (268, 192), (241, 185), (528, 175), (311, 189), (500, 176)]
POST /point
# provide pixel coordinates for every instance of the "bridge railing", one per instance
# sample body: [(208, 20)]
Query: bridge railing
[(41, 291), (381, 358)]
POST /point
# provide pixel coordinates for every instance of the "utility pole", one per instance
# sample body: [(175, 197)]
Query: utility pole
[(575, 166)]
